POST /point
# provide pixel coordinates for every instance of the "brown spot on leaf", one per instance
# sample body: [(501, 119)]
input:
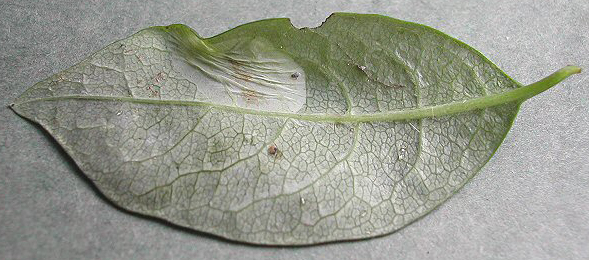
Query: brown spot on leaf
[(242, 75), (273, 150), (161, 76), (154, 90), (236, 66), (251, 96), (235, 62)]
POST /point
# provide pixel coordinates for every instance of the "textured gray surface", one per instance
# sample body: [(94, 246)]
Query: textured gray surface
[(530, 201)]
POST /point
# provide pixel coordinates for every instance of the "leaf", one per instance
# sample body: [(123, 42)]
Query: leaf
[(269, 134)]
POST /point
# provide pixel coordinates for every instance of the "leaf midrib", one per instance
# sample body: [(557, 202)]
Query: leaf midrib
[(515, 95), (408, 114)]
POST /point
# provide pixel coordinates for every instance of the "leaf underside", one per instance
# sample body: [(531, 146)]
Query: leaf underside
[(269, 134)]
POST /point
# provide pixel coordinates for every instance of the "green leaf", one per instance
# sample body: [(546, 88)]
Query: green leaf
[(270, 134)]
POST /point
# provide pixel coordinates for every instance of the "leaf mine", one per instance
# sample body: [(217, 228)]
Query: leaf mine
[(251, 74)]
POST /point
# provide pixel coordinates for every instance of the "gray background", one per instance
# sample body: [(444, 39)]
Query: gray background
[(530, 201)]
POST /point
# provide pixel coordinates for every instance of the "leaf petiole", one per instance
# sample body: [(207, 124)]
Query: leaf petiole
[(545, 83)]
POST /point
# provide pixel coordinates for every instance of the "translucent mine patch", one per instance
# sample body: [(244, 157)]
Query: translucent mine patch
[(253, 74)]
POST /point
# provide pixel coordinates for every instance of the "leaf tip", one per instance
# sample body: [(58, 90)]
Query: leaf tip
[(572, 69), (567, 71)]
